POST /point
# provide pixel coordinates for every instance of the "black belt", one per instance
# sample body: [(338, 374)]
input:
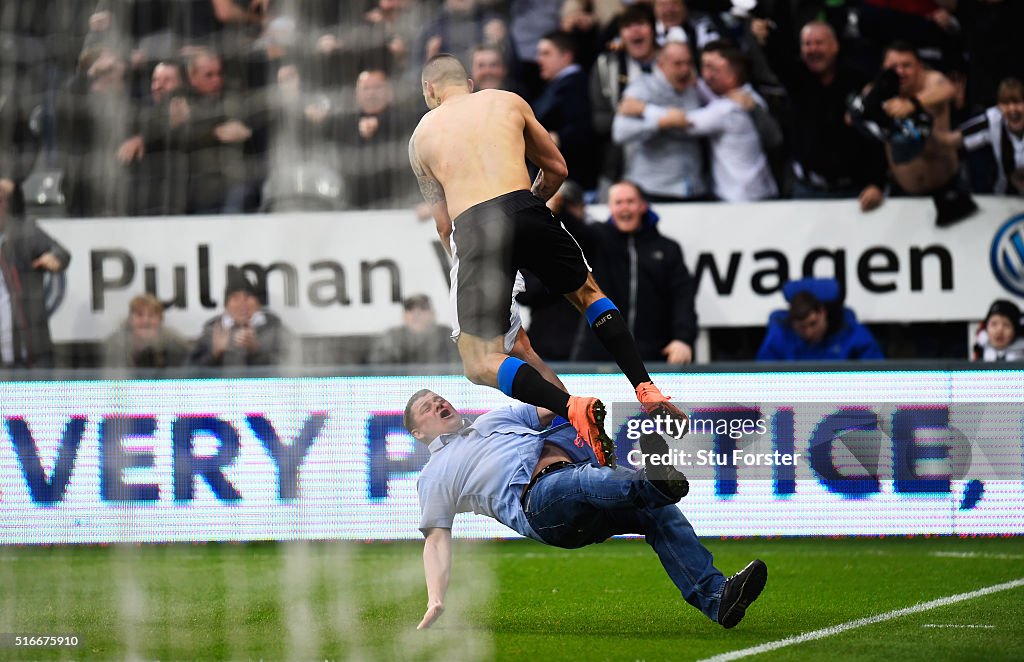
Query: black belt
[(551, 468)]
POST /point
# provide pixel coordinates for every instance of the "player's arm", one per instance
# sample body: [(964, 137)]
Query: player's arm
[(433, 193), (437, 565), (543, 153)]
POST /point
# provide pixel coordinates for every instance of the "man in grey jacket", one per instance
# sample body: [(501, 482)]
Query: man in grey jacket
[(659, 156)]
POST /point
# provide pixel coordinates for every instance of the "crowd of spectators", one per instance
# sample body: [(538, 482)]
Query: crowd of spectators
[(210, 106), (160, 107)]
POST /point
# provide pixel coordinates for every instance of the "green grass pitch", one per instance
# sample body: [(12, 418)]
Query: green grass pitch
[(509, 600)]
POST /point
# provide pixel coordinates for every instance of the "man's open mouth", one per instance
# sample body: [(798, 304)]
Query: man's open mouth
[(446, 413)]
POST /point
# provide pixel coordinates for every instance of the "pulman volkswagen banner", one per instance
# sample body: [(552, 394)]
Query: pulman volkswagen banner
[(339, 274), (768, 454)]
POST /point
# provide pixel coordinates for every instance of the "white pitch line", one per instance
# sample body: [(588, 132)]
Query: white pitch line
[(861, 622), (976, 555), (968, 626)]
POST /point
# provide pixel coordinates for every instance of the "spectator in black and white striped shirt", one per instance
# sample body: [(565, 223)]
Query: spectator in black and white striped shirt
[(1002, 128)]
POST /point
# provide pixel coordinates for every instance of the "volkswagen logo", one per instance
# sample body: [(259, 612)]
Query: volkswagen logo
[(1007, 257)]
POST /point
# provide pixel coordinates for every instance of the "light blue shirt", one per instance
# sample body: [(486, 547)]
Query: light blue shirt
[(484, 467)]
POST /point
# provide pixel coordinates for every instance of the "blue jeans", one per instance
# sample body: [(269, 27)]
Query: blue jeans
[(583, 504)]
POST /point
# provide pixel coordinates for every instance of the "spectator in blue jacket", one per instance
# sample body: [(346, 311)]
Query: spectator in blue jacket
[(817, 327)]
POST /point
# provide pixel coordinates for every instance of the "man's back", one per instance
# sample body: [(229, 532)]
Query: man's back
[(739, 165), (474, 145)]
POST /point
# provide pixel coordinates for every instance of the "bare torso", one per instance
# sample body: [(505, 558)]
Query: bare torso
[(474, 145), (936, 164)]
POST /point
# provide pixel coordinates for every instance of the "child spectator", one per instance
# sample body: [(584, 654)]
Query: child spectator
[(999, 337), (142, 340)]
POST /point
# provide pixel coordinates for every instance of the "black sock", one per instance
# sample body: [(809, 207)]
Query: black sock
[(610, 328), (529, 386)]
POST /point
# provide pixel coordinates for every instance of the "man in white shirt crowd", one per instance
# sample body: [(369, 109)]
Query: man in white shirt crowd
[(736, 122)]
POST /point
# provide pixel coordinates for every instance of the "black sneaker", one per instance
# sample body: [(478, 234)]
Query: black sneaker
[(740, 590), (666, 478)]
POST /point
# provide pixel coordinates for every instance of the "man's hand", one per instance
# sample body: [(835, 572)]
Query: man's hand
[(246, 339), (220, 340), (437, 564), (232, 131), (178, 111), (943, 19), (434, 611), (678, 352), (368, 127), (674, 118), (898, 107), (433, 47), (328, 44), (742, 98), (495, 32), (871, 198), (398, 48), (47, 261), (101, 21), (316, 112), (632, 107), (579, 20), (130, 150)]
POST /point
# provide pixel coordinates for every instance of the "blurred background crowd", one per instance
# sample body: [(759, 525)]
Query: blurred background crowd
[(122, 108)]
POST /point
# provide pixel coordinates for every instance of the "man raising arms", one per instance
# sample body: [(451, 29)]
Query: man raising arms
[(468, 156), (913, 105)]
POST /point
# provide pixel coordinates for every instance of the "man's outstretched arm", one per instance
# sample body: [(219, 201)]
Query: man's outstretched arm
[(437, 565), (433, 193)]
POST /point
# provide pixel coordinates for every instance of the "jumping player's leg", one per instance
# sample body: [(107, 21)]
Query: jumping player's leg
[(544, 247), (523, 350), (610, 328), (483, 358), (487, 247), (484, 363), (612, 331)]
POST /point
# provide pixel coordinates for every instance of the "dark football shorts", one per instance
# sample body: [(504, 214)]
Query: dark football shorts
[(491, 241)]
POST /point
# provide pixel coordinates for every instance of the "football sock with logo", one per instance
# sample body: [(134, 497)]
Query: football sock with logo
[(610, 328), (518, 380)]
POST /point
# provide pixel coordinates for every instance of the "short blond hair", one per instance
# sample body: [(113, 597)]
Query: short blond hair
[(445, 69), (146, 301)]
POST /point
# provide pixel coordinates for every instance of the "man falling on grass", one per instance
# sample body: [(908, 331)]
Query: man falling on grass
[(508, 466)]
